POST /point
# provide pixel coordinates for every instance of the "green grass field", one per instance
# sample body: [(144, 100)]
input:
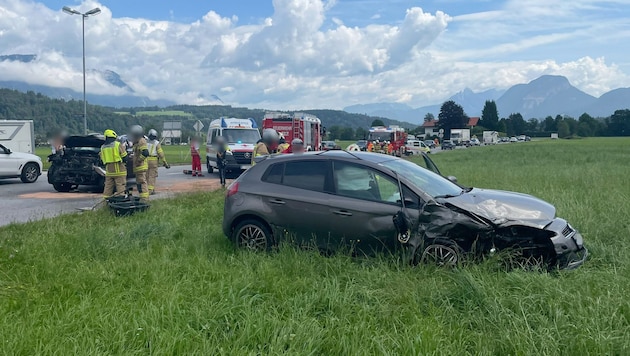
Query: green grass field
[(169, 282), (158, 113), (174, 154)]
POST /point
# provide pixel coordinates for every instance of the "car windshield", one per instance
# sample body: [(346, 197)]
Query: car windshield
[(241, 135), (431, 183), (381, 136)]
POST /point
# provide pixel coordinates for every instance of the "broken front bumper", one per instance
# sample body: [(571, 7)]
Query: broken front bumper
[(568, 244)]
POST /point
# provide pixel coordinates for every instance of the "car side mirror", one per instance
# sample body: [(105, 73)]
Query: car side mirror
[(452, 179)]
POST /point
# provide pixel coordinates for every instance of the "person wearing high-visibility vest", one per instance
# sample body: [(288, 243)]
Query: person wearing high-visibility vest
[(114, 157), (155, 155), (282, 145), (267, 145), (140, 162)]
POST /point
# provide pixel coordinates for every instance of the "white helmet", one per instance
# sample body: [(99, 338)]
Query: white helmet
[(153, 134)]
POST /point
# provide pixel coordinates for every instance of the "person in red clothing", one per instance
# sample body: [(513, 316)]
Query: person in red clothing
[(196, 157), (297, 146)]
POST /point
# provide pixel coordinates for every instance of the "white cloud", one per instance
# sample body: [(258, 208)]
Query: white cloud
[(299, 58)]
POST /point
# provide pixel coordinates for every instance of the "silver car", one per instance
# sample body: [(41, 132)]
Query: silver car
[(369, 202)]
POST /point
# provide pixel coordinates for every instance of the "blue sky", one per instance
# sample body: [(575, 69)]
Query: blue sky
[(320, 53)]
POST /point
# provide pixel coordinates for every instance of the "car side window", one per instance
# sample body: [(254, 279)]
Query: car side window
[(274, 174), (214, 135), (355, 181), (310, 175)]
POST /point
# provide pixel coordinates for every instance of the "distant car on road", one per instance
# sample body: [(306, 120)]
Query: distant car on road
[(448, 145), (328, 145), (362, 145), (430, 143), (475, 142), (513, 139), (26, 166), (415, 147)]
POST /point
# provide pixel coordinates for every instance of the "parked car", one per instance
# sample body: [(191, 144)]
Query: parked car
[(448, 145), (415, 147), (79, 163), (362, 145), (475, 142), (26, 166), (429, 143), (513, 139), (369, 202), (328, 145)]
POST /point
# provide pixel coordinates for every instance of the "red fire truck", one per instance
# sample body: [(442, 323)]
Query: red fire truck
[(306, 127), (380, 136)]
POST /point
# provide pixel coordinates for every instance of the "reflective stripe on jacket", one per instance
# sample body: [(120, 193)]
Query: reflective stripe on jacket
[(112, 155), (155, 151), (140, 163)]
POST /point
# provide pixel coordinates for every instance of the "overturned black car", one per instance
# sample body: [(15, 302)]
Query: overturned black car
[(371, 202), (78, 163)]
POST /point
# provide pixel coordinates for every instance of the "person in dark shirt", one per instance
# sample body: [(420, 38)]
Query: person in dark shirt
[(222, 152)]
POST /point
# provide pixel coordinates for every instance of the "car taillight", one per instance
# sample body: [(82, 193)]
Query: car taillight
[(232, 189)]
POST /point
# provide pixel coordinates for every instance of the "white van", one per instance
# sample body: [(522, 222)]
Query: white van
[(414, 147), (240, 134)]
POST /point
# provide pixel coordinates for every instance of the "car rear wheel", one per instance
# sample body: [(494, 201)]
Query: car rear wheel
[(253, 235), (30, 172), (62, 187), (440, 252)]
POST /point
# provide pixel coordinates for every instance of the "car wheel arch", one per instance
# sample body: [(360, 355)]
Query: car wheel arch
[(249, 216)]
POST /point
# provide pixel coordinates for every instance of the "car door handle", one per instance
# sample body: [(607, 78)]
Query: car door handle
[(277, 201), (342, 212)]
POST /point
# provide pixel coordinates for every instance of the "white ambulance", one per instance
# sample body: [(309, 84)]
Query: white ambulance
[(240, 134)]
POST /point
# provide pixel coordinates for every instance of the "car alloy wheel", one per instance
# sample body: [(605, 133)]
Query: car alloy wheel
[(30, 172), (441, 254), (253, 235)]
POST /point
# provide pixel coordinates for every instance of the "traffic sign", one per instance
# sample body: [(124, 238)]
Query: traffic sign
[(440, 135), (441, 131), (198, 126)]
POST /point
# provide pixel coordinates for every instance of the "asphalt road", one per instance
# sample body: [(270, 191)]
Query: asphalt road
[(21, 202)]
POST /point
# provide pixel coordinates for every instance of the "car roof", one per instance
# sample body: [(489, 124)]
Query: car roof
[(340, 154)]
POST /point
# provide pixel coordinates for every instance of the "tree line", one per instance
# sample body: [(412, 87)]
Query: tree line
[(452, 116), (51, 116)]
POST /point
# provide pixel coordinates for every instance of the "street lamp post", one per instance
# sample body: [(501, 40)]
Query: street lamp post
[(94, 11)]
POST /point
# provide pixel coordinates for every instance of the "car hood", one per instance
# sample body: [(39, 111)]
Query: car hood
[(502, 207), (84, 141)]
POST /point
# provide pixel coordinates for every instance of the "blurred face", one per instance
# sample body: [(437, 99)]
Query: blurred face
[(298, 148)]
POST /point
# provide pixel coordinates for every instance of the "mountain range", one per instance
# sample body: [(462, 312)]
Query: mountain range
[(548, 95)]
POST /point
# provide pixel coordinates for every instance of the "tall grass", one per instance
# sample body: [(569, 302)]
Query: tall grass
[(169, 282)]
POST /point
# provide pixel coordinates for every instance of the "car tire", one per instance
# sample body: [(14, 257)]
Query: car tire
[(439, 252), (253, 235), (30, 173), (62, 187), (209, 167)]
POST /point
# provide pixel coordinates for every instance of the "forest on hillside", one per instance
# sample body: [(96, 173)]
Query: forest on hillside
[(53, 115)]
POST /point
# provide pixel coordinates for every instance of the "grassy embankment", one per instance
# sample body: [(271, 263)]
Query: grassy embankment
[(168, 282)]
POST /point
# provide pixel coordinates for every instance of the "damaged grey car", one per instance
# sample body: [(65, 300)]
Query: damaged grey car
[(372, 202)]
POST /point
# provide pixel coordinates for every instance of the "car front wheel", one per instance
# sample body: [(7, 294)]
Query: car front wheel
[(30, 172), (253, 235), (440, 252)]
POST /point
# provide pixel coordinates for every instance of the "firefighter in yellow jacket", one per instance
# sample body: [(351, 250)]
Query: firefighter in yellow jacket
[(266, 145), (140, 161), (114, 157), (155, 154)]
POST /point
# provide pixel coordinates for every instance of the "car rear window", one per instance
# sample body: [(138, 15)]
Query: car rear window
[(310, 175)]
